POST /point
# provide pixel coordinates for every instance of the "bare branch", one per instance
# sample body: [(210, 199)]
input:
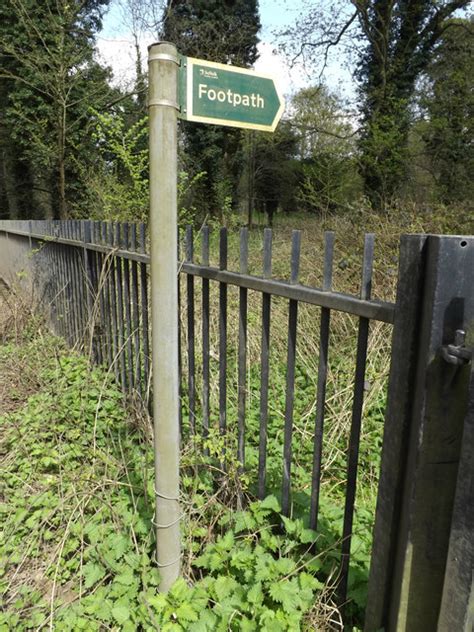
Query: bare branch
[(327, 43), (320, 130)]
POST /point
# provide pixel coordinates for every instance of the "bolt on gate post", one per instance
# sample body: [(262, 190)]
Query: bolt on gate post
[(163, 108)]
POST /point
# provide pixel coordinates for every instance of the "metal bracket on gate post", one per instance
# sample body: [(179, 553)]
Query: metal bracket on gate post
[(457, 353)]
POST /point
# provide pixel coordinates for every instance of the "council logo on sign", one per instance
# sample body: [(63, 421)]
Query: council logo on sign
[(209, 74)]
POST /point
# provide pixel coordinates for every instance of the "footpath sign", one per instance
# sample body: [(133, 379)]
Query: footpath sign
[(226, 95), (205, 92)]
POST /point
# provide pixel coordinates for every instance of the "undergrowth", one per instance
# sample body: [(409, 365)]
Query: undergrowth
[(76, 509)]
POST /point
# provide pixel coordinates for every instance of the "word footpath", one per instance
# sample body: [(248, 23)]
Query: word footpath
[(233, 98)]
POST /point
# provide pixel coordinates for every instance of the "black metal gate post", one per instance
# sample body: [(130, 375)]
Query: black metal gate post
[(426, 413)]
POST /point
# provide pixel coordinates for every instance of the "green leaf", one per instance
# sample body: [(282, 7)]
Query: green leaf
[(244, 521), (314, 564), (159, 602), (126, 578), (92, 531), (133, 560), (307, 536), (277, 591), (119, 544), (224, 587), (309, 581), (359, 595), (271, 502), (216, 561), (227, 542), (121, 612), (92, 573), (179, 590), (171, 627), (266, 620), (186, 613), (263, 568), (206, 623), (269, 540), (247, 625), (285, 565), (243, 558), (290, 525), (255, 594), (285, 593)]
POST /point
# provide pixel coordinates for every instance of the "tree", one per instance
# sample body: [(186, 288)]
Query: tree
[(401, 38), (49, 80), (223, 31), (142, 18), (270, 172), (327, 150), (394, 42), (447, 100)]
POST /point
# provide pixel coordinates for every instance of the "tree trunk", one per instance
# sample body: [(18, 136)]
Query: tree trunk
[(11, 189), (63, 214), (42, 197), (251, 176)]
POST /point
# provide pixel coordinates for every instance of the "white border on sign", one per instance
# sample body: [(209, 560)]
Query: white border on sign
[(192, 61)]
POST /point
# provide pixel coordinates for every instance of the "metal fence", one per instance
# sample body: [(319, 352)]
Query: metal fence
[(363, 307), (92, 276), (97, 289)]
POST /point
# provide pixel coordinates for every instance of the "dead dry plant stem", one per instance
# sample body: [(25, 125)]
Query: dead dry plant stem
[(81, 504), (96, 293)]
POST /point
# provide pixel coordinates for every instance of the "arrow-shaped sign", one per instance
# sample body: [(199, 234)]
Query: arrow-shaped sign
[(226, 95)]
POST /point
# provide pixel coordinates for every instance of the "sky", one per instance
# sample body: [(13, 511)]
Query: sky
[(115, 47)]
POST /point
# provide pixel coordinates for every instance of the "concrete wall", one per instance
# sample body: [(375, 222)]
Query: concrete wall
[(24, 266), (17, 261)]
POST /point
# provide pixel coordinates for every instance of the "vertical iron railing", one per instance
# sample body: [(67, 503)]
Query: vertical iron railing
[(242, 352), (265, 365), (323, 367), (223, 337), (206, 353), (363, 307)]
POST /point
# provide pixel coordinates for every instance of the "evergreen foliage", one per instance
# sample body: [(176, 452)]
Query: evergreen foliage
[(225, 30), (48, 82), (449, 107), (399, 40)]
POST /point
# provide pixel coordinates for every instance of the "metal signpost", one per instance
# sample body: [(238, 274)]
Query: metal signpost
[(204, 92), (163, 74)]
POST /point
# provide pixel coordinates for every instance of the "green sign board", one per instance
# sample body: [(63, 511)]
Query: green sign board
[(226, 95)]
